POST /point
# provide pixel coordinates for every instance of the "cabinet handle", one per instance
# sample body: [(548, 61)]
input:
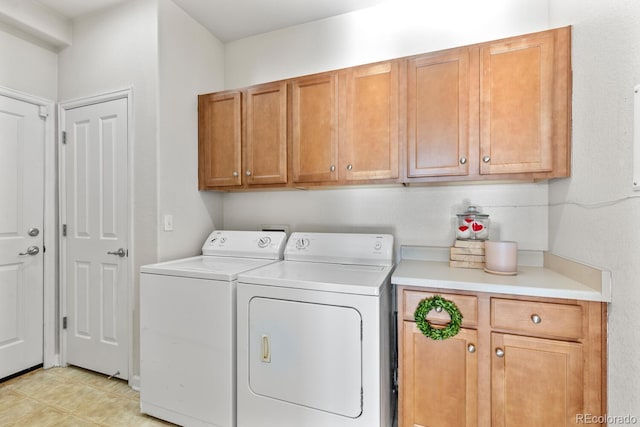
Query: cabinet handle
[(471, 348), (349, 166), (248, 173), (332, 168), (235, 174), (486, 159), (499, 352), (536, 319), (463, 160)]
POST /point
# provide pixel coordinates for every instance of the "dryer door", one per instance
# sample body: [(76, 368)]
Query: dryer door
[(306, 354)]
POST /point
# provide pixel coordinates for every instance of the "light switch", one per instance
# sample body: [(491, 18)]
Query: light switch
[(168, 223)]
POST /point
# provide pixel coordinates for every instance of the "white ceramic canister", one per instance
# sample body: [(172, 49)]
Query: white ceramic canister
[(501, 257)]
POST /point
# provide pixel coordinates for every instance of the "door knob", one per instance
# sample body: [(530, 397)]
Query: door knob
[(120, 252), (31, 250), (33, 232)]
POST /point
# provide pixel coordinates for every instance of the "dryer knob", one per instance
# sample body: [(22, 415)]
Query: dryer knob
[(302, 243)]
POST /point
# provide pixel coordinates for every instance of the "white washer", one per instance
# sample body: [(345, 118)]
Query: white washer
[(187, 328), (314, 346)]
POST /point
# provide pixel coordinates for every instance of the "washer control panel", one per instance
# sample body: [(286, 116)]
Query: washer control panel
[(248, 244), (341, 248)]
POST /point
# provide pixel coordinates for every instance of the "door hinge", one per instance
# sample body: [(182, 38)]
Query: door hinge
[(64, 136), (64, 322), (44, 111), (64, 230)]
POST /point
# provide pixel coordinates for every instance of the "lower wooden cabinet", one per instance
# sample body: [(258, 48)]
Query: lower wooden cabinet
[(517, 361), (537, 380), (440, 379)]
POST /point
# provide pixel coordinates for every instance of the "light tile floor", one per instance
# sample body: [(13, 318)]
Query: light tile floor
[(70, 397)]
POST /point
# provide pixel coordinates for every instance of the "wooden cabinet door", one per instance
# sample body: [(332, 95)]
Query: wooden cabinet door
[(438, 105), (439, 380), (536, 382), (219, 139), (517, 105), (314, 117), (266, 134), (369, 120)]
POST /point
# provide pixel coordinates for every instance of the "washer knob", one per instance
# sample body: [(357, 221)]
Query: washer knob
[(263, 242)]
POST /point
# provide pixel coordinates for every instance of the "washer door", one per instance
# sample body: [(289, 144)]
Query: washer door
[(306, 354)]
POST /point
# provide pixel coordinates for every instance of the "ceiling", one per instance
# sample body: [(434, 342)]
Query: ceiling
[(231, 20)]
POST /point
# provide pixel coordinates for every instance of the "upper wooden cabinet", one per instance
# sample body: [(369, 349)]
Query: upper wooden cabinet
[(524, 104), (438, 107), (494, 110), (242, 137), (265, 149), (369, 118), (500, 109), (344, 125), (314, 128), (219, 139)]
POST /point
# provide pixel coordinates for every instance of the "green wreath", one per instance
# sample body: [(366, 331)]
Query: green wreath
[(438, 303)]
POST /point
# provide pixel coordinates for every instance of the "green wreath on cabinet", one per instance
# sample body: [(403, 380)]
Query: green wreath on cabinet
[(438, 303)]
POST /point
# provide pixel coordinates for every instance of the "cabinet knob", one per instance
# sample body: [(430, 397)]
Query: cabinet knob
[(248, 173), (536, 319), (471, 348), (463, 160), (486, 159), (235, 174), (332, 168), (499, 352), (349, 166)]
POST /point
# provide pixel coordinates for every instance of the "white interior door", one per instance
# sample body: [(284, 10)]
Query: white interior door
[(22, 144), (95, 212)]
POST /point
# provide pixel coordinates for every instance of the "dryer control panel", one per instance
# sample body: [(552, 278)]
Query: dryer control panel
[(341, 248)]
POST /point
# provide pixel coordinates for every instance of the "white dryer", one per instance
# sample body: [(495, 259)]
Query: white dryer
[(187, 328), (314, 335)]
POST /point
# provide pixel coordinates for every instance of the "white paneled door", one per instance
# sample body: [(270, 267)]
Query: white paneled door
[(22, 144), (95, 219)]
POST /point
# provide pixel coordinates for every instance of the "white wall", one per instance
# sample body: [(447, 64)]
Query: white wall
[(392, 29), (28, 65), (592, 218), (415, 215), (113, 50), (191, 62), (168, 58)]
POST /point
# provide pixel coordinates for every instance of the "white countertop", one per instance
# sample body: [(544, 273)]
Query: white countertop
[(536, 281)]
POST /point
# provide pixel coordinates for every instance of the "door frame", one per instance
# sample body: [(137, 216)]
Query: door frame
[(127, 94), (50, 283)]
